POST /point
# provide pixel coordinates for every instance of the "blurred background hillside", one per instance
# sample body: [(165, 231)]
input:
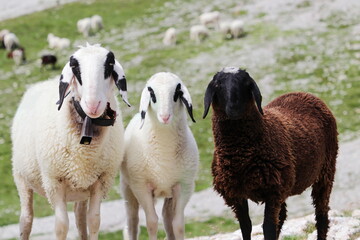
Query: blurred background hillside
[(287, 45)]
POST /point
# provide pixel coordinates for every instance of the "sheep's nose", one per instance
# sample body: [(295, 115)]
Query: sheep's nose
[(165, 118), (93, 106)]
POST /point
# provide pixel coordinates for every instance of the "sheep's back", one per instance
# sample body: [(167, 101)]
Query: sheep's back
[(312, 133)]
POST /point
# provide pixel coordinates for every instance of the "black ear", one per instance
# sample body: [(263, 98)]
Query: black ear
[(257, 95), (185, 98), (209, 94), (64, 83)]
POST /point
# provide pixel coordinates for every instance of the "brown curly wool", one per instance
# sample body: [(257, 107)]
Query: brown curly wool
[(271, 154)]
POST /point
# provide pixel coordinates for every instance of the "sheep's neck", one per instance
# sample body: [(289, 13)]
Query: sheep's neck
[(241, 133)]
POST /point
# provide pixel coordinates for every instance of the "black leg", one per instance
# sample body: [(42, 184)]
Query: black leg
[(271, 219), (321, 194), (282, 218), (242, 214)]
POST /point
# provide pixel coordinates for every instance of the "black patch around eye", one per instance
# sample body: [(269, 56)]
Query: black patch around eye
[(74, 64), (178, 93), (109, 65), (152, 94)]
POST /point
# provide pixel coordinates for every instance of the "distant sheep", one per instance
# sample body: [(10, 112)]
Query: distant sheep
[(57, 42), (210, 19), (237, 28), (198, 33), (18, 55), (225, 29), (90, 25), (170, 37), (84, 26), (2, 34), (161, 157), (96, 23), (52, 154), (267, 155), (11, 41), (48, 59)]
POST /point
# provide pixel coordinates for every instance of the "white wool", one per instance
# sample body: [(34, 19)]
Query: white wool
[(198, 33), (96, 23), (230, 70), (170, 37), (57, 42), (84, 26), (17, 55), (210, 18), (3, 33), (237, 28), (10, 41)]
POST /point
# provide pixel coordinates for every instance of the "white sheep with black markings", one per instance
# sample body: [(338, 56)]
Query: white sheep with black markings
[(161, 157), (47, 156)]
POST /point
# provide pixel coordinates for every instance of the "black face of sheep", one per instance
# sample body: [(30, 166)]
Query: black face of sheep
[(230, 91)]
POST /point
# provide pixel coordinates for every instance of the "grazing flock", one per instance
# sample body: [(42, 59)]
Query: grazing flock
[(10, 42), (69, 142)]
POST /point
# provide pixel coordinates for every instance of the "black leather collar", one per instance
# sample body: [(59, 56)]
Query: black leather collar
[(100, 121)]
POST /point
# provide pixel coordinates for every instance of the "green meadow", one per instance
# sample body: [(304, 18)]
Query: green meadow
[(325, 63)]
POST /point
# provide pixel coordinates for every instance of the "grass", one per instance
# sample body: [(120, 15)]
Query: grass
[(309, 61)]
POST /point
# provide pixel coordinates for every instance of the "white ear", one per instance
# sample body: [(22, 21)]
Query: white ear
[(65, 80), (120, 81), (144, 104)]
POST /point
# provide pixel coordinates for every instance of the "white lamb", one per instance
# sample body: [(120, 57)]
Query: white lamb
[(225, 29), (210, 19), (96, 23), (170, 37), (84, 26), (161, 157), (237, 28), (198, 33), (47, 156), (57, 42), (11, 41)]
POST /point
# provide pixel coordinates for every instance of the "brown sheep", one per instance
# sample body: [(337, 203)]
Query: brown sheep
[(271, 154)]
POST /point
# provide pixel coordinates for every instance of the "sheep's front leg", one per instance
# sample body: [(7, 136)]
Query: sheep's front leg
[(181, 196), (271, 219), (80, 209), (26, 202), (93, 215), (132, 211), (61, 216), (242, 214), (146, 200)]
